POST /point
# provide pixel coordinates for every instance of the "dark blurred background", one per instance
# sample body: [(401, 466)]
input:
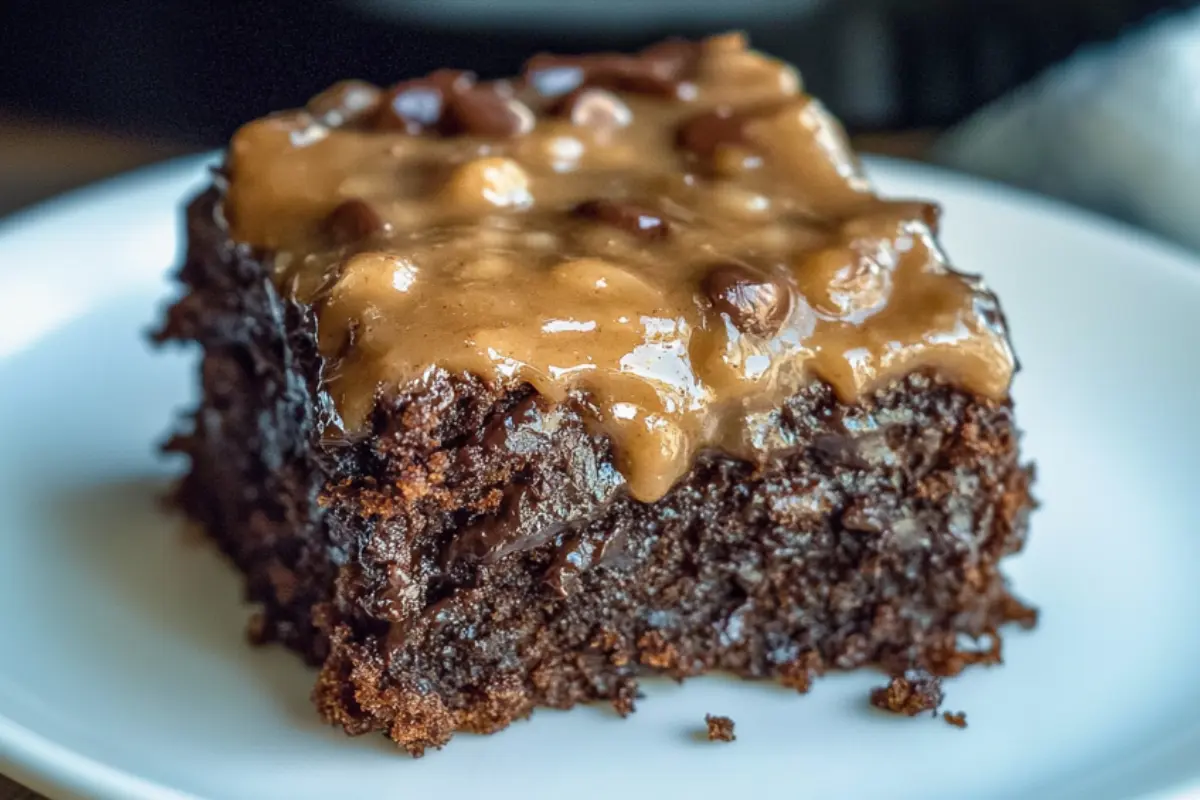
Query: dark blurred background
[(112, 84)]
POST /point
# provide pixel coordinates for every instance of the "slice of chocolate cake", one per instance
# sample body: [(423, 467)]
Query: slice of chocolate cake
[(512, 390)]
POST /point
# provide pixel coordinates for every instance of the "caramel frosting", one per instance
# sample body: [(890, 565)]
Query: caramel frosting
[(674, 241)]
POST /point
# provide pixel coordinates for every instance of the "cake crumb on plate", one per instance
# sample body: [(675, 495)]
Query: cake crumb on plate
[(720, 729), (958, 718), (910, 694)]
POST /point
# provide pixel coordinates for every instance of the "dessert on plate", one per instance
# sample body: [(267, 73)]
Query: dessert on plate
[(514, 390)]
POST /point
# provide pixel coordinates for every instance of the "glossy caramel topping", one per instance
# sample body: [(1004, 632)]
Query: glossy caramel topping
[(674, 240)]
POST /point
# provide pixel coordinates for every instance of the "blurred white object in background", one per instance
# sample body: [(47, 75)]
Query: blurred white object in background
[(1115, 128)]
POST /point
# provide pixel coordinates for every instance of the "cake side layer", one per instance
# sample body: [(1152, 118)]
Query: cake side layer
[(473, 557), (255, 471)]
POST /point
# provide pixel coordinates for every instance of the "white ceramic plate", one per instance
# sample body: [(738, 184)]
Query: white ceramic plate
[(124, 673)]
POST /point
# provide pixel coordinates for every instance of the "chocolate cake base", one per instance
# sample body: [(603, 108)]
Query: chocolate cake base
[(475, 556)]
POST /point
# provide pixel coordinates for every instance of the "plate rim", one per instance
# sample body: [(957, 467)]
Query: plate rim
[(60, 772)]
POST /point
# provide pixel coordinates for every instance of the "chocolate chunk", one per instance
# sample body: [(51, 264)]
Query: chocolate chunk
[(417, 106), (538, 506), (353, 221), (594, 108), (449, 102), (522, 430), (481, 111), (661, 72), (554, 76), (345, 102), (528, 517), (754, 302), (413, 107), (703, 133), (629, 217), (532, 514)]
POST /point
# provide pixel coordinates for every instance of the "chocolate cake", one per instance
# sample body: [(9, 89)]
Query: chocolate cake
[(515, 390)]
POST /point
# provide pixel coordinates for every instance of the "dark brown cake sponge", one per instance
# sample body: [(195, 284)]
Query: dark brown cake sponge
[(436, 597)]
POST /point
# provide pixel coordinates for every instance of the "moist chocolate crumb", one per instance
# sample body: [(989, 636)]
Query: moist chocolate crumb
[(720, 729), (912, 693), (625, 702), (800, 673), (958, 718)]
